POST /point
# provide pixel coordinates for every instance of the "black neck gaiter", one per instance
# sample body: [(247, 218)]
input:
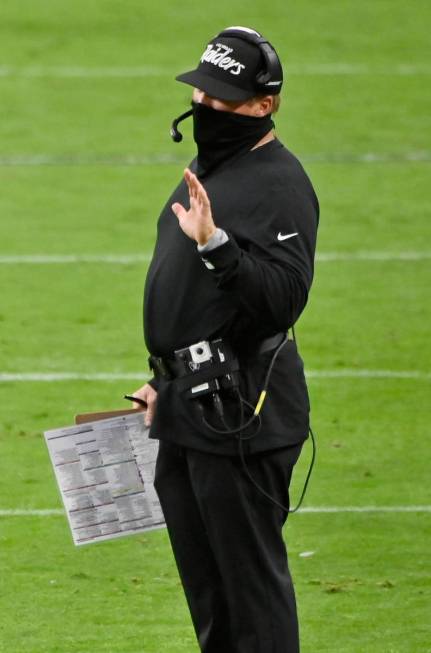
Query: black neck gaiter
[(221, 135)]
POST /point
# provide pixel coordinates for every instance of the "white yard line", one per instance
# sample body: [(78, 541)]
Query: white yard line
[(329, 257), (84, 71), (31, 512), (412, 156), (44, 159), (49, 377), (368, 374), (95, 160), (126, 72), (402, 69), (338, 509), (54, 512), (132, 259), (47, 259)]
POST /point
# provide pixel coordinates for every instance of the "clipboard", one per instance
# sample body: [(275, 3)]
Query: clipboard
[(83, 418), (104, 466)]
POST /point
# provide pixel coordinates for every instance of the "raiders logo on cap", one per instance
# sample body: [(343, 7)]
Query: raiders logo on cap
[(237, 65)]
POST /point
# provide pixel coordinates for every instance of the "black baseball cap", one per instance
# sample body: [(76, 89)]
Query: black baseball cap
[(237, 65)]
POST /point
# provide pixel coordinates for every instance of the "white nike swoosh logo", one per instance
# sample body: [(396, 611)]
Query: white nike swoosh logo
[(286, 236)]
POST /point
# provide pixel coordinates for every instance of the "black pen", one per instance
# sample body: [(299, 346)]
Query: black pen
[(138, 400)]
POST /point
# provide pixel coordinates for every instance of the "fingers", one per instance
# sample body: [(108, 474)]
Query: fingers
[(191, 182), (179, 210), (196, 190), (197, 193), (149, 395), (197, 222), (151, 399), (149, 413)]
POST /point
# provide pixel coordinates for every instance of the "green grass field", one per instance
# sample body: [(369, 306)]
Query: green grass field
[(86, 163)]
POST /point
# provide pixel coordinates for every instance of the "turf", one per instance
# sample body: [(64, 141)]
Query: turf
[(86, 164)]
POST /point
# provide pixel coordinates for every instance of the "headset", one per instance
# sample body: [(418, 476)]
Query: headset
[(269, 80)]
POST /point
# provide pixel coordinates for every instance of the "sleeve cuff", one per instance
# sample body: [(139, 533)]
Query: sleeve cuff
[(217, 239), (222, 257)]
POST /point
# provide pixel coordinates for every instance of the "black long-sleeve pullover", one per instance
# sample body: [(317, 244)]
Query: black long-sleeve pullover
[(252, 287)]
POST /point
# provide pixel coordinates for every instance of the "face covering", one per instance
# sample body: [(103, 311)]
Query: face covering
[(221, 135)]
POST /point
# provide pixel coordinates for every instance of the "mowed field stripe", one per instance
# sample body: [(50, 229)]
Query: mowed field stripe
[(126, 72), (49, 377), (133, 259), (316, 510), (50, 259), (130, 160)]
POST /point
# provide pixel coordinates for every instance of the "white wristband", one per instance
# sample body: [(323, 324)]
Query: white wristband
[(220, 237)]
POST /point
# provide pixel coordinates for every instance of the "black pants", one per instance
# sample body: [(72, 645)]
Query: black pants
[(228, 545)]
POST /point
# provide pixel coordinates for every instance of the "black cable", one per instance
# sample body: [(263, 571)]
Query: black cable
[(226, 433), (235, 430), (218, 404), (256, 485), (310, 469), (258, 408), (266, 494), (273, 359), (262, 395), (244, 402)]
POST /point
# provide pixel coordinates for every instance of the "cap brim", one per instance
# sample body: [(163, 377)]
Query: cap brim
[(214, 87)]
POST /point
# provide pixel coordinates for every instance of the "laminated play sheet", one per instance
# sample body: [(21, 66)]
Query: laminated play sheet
[(105, 473)]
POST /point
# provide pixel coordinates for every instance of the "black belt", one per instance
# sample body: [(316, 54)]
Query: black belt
[(171, 368)]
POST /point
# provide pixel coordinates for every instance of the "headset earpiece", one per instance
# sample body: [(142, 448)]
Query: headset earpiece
[(271, 78)]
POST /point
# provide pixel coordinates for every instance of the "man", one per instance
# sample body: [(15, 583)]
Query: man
[(233, 261)]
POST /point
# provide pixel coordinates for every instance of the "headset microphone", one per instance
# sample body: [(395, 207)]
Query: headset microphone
[(176, 135)]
